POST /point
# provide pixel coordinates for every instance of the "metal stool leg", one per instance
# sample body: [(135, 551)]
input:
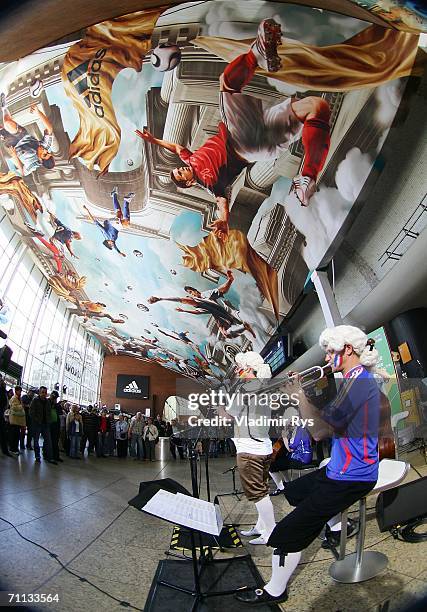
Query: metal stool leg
[(361, 565)]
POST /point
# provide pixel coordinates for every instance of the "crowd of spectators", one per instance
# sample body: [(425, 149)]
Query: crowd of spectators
[(75, 431)]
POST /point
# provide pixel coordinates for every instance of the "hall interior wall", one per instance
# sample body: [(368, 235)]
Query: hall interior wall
[(163, 383)]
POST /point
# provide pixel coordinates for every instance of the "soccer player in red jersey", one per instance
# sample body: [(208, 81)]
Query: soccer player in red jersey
[(250, 131)]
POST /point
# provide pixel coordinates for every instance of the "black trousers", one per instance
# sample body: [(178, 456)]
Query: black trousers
[(3, 435), (176, 443), (90, 438), (54, 436), (317, 499), (150, 446), (122, 448), (14, 431), (283, 461)]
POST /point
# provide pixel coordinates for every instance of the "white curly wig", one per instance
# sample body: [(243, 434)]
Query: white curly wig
[(335, 338), (253, 360)]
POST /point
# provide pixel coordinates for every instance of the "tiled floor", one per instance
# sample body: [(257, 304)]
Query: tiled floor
[(78, 510)]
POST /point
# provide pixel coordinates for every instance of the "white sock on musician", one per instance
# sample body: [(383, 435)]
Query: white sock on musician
[(280, 575), (278, 480), (334, 523), (266, 515), (259, 524)]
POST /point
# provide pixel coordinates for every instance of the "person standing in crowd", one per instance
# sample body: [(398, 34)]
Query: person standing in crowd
[(90, 430), (26, 400), (62, 426), (3, 425), (40, 409), (168, 431), (151, 435), (135, 434), (104, 429), (112, 435), (75, 431), (175, 441), (161, 426), (122, 437), (16, 420), (55, 425)]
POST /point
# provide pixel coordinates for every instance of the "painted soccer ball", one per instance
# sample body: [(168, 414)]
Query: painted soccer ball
[(130, 162), (165, 57), (36, 88)]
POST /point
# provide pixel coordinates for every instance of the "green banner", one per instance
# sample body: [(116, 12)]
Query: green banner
[(385, 362)]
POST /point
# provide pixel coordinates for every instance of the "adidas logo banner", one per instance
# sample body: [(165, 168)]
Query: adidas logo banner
[(129, 386), (132, 388)]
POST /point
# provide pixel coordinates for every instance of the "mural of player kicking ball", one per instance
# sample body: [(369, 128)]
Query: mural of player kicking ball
[(62, 235), (109, 231), (27, 152), (251, 132), (210, 303)]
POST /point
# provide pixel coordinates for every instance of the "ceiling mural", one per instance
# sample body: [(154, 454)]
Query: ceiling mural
[(407, 15), (177, 172)]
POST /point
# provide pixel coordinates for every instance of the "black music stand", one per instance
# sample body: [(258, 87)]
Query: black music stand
[(235, 491), (196, 584)]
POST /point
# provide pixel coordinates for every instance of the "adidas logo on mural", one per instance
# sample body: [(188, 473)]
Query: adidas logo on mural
[(132, 388)]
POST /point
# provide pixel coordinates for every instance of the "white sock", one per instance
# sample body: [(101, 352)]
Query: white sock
[(280, 575), (278, 480), (335, 523), (259, 524), (266, 514)]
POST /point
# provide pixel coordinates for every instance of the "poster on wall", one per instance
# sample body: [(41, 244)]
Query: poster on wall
[(178, 171), (132, 387), (386, 365)]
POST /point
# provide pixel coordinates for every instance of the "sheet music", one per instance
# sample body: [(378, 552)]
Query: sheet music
[(185, 510)]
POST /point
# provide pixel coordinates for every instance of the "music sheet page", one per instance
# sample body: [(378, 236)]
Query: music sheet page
[(185, 510)]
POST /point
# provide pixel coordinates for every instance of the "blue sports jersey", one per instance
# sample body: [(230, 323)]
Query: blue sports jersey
[(354, 415), (300, 446)]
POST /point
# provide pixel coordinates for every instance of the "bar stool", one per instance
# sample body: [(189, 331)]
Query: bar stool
[(364, 565)]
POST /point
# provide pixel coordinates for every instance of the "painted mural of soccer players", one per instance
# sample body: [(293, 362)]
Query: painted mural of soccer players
[(94, 310), (63, 235), (211, 303), (109, 232), (183, 337), (249, 132), (27, 152), (122, 212), (57, 254)]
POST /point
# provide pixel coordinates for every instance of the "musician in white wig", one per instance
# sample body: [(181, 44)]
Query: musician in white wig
[(253, 445), (352, 420)]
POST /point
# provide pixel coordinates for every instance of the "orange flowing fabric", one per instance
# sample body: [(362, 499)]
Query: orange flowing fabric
[(237, 253), (14, 185), (88, 74), (371, 57)]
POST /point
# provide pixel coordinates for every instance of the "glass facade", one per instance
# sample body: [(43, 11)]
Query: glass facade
[(46, 338)]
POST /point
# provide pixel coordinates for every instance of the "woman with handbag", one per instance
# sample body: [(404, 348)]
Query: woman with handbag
[(16, 420), (151, 435), (122, 437)]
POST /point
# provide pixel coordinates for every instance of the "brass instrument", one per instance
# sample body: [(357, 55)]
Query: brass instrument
[(311, 375)]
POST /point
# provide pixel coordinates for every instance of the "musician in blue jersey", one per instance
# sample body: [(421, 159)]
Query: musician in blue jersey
[(294, 454), (352, 421)]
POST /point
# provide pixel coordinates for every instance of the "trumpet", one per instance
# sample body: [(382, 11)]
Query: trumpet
[(309, 377)]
